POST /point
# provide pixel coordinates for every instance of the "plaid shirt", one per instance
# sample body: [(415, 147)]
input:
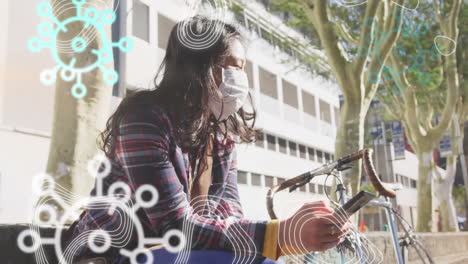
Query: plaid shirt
[(146, 153)]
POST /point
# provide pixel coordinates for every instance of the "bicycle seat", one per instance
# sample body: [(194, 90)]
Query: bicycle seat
[(393, 185)]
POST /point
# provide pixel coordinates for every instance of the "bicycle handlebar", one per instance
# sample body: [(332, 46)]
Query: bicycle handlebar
[(372, 174), (293, 183)]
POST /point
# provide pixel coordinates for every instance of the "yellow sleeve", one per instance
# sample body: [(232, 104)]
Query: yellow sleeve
[(270, 244), (271, 249)]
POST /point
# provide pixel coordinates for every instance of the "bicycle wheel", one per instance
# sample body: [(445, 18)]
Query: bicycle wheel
[(415, 252)]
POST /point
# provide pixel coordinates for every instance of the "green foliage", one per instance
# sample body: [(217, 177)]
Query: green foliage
[(416, 46), (458, 193), (236, 9), (296, 17)]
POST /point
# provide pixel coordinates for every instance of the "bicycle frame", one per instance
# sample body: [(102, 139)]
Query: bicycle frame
[(393, 228), (335, 168), (390, 216)]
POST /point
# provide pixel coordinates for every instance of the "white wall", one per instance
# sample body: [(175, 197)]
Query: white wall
[(25, 105), (26, 102), (409, 168), (21, 157), (5, 27)]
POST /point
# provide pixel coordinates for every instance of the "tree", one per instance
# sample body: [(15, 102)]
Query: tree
[(462, 109), (357, 42), (414, 97), (77, 122)]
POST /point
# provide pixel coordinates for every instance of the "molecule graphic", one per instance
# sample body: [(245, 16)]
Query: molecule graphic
[(94, 23), (116, 201), (410, 32)]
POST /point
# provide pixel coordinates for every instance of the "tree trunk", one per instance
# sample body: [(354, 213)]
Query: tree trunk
[(77, 122), (350, 138), (425, 176), (443, 193)]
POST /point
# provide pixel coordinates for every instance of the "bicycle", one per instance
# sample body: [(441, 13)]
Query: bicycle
[(353, 241)]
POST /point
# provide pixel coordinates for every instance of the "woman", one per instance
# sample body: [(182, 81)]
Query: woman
[(179, 138)]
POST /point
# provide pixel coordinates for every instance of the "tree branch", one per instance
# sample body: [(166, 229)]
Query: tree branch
[(453, 19), (437, 11), (371, 10), (413, 142), (411, 117), (410, 114), (384, 46), (393, 112), (345, 33), (317, 13), (452, 78), (429, 117)]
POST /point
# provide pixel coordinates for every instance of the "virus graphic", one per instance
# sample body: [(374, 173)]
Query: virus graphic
[(116, 201), (415, 59), (93, 21)]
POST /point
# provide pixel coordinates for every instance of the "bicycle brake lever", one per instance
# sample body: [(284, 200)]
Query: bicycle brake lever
[(346, 245)]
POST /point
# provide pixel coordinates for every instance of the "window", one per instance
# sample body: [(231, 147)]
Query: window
[(269, 181), (319, 156), (140, 23), (292, 149), (241, 177), (406, 181), (165, 26), (413, 184), (311, 154), (249, 70), (327, 157), (329, 189), (256, 179), (302, 152), (290, 94), (268, 83), (308, 101), (282, 145), (398, 178), (311, 187), (325, 114), (260, 140), (271, 141), (280, 180), (302, 188), (320, 188)]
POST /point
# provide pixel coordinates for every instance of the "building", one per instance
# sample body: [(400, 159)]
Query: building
[(298, 113)]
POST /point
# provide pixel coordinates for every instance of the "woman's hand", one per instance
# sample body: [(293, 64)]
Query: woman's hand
[(313, 227)]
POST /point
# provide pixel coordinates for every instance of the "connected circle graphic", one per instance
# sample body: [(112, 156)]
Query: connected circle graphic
[(410, 32), (117, 200), (195, 37), (93, 20)]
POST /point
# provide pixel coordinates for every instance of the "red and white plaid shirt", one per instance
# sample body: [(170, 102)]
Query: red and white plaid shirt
[(146, 153)]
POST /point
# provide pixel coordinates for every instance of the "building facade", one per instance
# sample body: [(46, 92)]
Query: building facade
[(297, 111)]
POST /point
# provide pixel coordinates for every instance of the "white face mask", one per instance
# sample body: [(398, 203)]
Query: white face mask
[(234, 88)]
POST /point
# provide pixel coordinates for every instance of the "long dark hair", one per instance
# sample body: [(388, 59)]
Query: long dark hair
[(186, 84)]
